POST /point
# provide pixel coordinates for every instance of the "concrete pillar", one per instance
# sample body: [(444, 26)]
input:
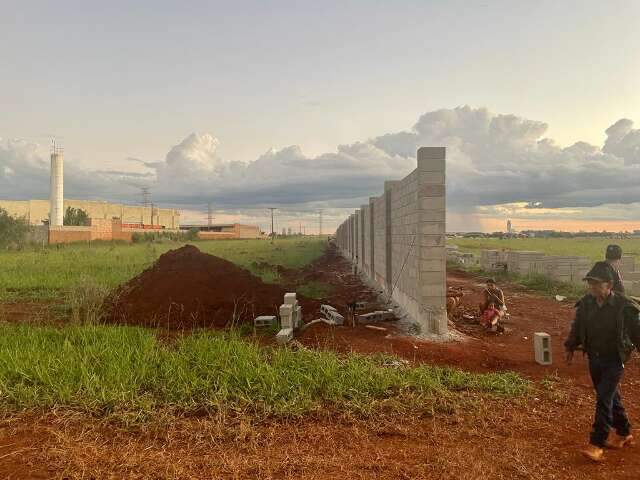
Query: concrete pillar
[(363, 212), (431, 232), (352, 224), (388, 245), (356, 236), (372, 243)]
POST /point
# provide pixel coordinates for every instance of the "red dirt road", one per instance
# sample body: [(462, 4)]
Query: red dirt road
[(533, 438)]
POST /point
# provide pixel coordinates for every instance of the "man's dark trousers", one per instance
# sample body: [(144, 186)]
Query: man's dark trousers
[(606, 374)]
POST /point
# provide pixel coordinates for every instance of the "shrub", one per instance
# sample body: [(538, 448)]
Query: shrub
[(13, 230)]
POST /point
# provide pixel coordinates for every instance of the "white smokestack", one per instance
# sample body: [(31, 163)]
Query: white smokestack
[(56, 199)]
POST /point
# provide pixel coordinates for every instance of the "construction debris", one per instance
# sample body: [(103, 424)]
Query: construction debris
[(377, 316), (373, 327)]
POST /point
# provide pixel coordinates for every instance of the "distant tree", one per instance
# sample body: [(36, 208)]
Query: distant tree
[(76, 217), (192, 234), (13, 230)]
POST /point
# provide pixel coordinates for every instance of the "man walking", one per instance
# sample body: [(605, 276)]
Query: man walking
[(613, 257), (606, 328)]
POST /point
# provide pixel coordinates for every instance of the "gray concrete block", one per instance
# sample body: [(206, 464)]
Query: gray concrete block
[(325, 309), (542, 348), (286, 316), (284, 336), (290, 298), (264, 321), (335, 317), (377, 316)]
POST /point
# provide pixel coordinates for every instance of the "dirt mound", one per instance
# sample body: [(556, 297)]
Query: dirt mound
[(186, 288)]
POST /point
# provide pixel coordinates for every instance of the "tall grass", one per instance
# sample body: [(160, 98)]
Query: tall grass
[(102, 369), (46, 274)]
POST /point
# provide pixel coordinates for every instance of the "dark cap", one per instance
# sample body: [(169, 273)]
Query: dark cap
[(491, 280), (614, 252), (600, 272)]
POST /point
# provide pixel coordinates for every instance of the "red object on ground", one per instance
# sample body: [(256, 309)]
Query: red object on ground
[(488, 315), (187, 288)]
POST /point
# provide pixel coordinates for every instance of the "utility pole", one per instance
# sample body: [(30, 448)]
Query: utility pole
[(272, 233), (146, 202), (320, 229), (209, 216)]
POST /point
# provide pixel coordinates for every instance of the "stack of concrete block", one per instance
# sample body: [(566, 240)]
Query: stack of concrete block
[(290, 318), (631, 282), (490, 260), (290, 312), (627, 264), (569, 269), (524, 262), (632, 276)]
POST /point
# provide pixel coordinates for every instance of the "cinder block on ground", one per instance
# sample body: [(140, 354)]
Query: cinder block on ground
[(377, 316), (284, 336), (264, 321), (542, 348), (324, 309), (335, 317)]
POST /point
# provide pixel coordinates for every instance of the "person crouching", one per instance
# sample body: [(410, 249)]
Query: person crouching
[(493, 308)]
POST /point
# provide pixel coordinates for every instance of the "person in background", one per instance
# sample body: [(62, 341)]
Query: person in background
[(607, 329), (493, 308), (613, 257)]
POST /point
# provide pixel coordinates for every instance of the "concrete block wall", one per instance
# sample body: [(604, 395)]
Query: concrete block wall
[(380, 241), (569, 269), (367, 245), (399, 239)]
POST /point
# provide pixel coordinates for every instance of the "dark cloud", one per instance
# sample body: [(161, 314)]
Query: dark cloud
[(491, 159)]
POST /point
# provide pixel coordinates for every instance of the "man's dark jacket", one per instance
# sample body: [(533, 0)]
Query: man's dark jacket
[(627, 324)]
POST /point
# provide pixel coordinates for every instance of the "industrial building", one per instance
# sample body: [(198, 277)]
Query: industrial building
[(225, 231), (107, 221), (37, 212)]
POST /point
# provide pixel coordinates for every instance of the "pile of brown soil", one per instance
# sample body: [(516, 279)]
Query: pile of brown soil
[(186, 288)]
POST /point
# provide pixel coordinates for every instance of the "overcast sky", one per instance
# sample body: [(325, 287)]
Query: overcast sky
[(313, 104)]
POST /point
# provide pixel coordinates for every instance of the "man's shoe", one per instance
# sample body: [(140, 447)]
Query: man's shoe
[(593, 453), (619, 441)]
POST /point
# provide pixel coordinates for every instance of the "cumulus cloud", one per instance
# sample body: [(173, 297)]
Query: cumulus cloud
[(492, 159), (623, 141)]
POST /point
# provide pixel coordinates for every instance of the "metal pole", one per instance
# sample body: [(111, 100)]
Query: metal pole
[(272, 233)]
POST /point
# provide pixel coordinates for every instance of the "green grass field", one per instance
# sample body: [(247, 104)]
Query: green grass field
[(593, 248), (46, 274), (113, 370), (108, 369)]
